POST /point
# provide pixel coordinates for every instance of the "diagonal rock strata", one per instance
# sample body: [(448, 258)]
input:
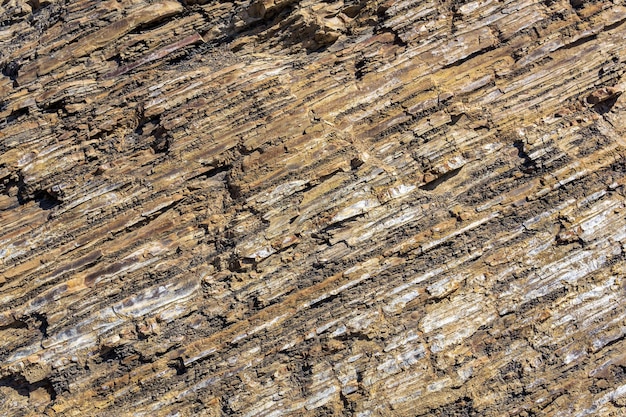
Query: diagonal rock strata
[(300, 208)]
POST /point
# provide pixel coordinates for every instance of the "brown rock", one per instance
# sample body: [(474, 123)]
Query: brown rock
[(603, 94), (294, 207)]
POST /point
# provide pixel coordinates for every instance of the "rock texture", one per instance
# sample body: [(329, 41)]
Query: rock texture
[(291, 207)]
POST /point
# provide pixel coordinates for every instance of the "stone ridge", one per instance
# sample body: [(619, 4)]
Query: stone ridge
[(289, 207)]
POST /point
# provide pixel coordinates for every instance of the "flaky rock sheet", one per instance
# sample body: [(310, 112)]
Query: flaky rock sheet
[(285, 207)]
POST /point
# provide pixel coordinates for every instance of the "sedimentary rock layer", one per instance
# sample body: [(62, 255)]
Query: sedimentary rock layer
[(265, 208)]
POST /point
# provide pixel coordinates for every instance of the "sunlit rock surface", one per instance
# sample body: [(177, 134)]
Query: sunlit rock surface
[(284, 207)]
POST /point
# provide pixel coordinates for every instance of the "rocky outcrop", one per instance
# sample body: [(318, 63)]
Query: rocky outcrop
[(265, 208)]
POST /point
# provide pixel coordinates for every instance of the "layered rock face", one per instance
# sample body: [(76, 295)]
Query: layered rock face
[(285, 207)]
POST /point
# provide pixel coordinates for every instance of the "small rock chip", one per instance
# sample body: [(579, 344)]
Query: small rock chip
[(603, 94)]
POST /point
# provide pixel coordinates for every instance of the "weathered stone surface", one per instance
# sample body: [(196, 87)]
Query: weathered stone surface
[(289, 207)]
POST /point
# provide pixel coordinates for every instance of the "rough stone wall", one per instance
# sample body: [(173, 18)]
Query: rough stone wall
[(291, 207)]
